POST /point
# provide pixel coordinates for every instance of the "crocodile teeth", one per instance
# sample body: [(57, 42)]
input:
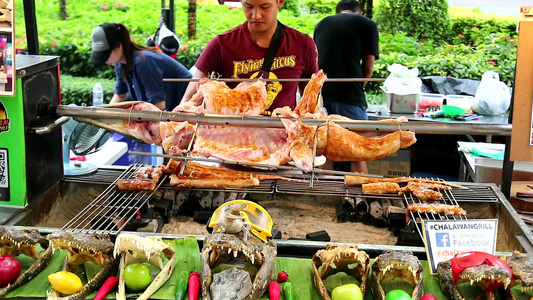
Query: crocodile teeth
[(229, 250)]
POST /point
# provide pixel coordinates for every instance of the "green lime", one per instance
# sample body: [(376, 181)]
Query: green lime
[(137, 277), (397, 295)]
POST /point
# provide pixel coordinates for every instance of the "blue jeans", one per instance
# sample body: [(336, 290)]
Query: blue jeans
[(345, 109)]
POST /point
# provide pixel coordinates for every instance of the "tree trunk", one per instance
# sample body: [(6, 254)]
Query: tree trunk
[(63, 9), (191, 22), (367, 8)]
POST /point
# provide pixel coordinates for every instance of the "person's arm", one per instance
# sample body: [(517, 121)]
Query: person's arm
[(161, 105), (368, 66), (191, 88), (118, 98)]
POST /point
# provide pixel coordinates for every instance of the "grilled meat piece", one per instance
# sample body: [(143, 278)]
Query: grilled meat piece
[(215, 97), (143, 179), (354, 180), (381, 188), (435, 209), (345, 145)]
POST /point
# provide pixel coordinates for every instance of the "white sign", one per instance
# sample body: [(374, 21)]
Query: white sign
[(447, 238)]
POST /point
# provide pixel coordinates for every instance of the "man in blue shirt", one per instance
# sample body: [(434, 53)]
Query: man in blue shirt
[(139, 70)]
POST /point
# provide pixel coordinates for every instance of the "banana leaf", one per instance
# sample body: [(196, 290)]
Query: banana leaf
[(38, 285), (299, 270)]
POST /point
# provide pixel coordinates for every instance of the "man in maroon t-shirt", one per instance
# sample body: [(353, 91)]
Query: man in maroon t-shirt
[(239, 53)]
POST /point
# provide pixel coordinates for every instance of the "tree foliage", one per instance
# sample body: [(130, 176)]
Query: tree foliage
[(421, 19)]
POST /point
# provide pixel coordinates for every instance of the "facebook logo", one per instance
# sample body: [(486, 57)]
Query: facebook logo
[(443, 239)]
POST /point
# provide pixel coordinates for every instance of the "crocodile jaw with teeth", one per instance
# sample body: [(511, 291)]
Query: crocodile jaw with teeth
[(136, 249), (397, 264), (221, 247)]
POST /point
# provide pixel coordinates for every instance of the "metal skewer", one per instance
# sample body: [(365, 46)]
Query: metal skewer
[(276, 79), (316, 170), (268, 122)]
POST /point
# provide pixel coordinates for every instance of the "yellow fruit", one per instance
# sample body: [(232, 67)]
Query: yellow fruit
[(65, 282)]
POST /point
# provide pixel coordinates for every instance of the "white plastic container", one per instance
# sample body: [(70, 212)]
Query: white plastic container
[(430, 102), (463, 101)]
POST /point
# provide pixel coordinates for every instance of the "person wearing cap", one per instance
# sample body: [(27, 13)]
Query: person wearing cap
[(139, 70), (240, 53)]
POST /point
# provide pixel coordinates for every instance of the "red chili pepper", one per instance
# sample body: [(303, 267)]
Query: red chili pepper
[(282, 277), (194, 285), (274, 291), (108, 285)]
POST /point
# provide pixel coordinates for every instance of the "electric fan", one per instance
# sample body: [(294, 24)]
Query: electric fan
[(82, 139)]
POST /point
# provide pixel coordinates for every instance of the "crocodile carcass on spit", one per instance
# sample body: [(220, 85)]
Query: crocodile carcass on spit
[(269, 146)]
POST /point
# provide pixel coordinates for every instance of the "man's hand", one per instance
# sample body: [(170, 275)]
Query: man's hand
[(191, 88)]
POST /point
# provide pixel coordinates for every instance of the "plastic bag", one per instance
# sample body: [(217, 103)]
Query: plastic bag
[(402, 81), (493, 97)]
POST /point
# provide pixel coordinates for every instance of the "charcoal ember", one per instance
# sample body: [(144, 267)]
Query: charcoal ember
[(202, 216), (342, 214), (321, 235), (180, 199), (276, 234), (353, 216), (375, 209), (361, 205), (380, 222), (219, 198), (207, 200), (163, 207), (348, 203), (230, 196)]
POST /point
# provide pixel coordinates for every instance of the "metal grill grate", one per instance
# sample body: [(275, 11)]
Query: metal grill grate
[(337, 188), (450, 197), (112, 209)]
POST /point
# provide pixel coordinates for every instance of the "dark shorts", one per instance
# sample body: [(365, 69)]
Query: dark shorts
[(347, 110)]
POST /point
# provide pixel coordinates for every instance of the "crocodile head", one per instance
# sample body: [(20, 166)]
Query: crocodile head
[(221, 247), (397, 264), (522, 267), (21, 241), (83, 247), (478, 268), (24, 241), (335, 259), (136, 249)]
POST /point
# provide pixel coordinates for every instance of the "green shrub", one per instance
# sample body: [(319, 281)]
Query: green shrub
[(426, 19), (473, 26), (326, 7), (293, 6), (79, 90)]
